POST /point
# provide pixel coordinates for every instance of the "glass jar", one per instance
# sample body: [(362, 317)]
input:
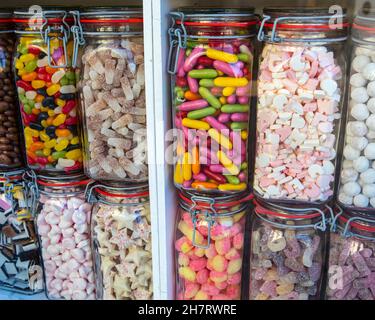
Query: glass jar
[(63, 220), (357, 176), (351, 257), (20, 269), (121, 241), (301, 89), (288, 249), (211, 66), (209, 245), (112, 94), (11, 156), (46, 89)]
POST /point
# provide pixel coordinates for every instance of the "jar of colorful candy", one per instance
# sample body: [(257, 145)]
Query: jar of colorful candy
[(46, 89), (288, 248), (112, 92), (301, 86), (63, 224), (11, 156), (209, 246), (121, 241), (357, 176), (211, 61), (351, 257), (20, 269)]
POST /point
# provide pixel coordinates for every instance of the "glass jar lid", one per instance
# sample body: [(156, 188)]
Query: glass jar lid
[(306, 24), (12, 175), (59, 182), (103, 15), (354, 224), (6, 21), (363, 30)]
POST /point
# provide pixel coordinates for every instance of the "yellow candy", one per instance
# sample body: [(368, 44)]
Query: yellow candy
[(195, 124), (201, 295), (223, 158), (228, 91), (221, 55), (31, 132), (199, 252), (38, 84), (44, 137), (44, 123), (51, 113), (74, 154), (219, 277), (59, 120), (178, 175), (262, 296), (186, 167), (186, 247), (187, 273), (219, 263), (271, 275), (22, 72), (27, 57), (230, 82), (46, 152), (74, 140), (62, 145), (188, 233), (223, 100), (19, 65), (220, 139), (53, 89), (29, 141), (233, 187), (284, 289), (60, 102), (50, 144), (244, 134), (234, 266)]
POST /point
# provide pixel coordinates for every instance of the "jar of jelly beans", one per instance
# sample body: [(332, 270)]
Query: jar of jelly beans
[(288, 248), (112, 94), (63, 218), (210, 62), (209, 246), (351, 257), (20, 266), (46, 86), (357, 176), (11, 156), (301, 86), (121, 240)]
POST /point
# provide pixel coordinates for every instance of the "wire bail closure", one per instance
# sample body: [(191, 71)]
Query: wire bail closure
[(78, 38), (181, 42)]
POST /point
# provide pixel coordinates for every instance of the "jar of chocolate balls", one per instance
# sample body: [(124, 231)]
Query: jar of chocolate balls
[(357, 176), (11, 156), (351, 257), (301, 90), (287, 253)]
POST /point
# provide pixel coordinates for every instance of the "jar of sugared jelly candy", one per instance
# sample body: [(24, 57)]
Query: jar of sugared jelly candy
[(11, 156), (63, 218), (112, 93), (351, 272), (357, 176), (46, 86), (301, 86), (209, 246), (211, 66), (20, 266), (287, 255), (121, 241)]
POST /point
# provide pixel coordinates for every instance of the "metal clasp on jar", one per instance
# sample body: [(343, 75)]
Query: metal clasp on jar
[(181, 41), (78, 38)]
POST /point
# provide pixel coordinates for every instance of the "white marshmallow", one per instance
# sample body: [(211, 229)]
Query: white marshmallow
[(345, 199), (370, 122), (361, 201), (371, 105), (360, 95), (361, 164), (360, 62), (369, 72), (371, 89), (360, 112), (350, 153), (368, 177), (370, 151), (369, 190), (352, 188), (357, 80)]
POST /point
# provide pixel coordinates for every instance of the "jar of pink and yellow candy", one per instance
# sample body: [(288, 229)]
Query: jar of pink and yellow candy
[(209, 246), (301, 88), (211, 63)]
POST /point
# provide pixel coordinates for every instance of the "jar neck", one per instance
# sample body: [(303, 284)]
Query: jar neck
[(354, 224), (73, 185)]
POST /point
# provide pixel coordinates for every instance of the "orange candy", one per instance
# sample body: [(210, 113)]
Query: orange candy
[(50, 159), (29, 76), (50, 70), (39, 98), (192, 96), (49, 121), (203, 185), (35, 111), (36, 146), (31, 155), (62, 132)]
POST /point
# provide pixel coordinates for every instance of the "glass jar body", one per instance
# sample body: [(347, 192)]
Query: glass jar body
[(112, 96), (63, 225), (285, 263), (122, 248)]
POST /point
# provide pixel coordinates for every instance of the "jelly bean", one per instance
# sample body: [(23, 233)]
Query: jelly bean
[(74, 154), (69, 89), (60, 119), (230, 82), (203, 74), (29, 76), (228, 91), (199, 114), (25, 58), (24, 85), (195, 124), (243, 57), (30, 66), (63, 133), (221, 56), (211, 99), (215, 176), (233, 180), (57, 76), (235, 108), (38, 84), (53, 89), (60, 146)]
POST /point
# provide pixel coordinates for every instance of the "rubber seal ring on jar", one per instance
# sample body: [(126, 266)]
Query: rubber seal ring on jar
[(350, 222)]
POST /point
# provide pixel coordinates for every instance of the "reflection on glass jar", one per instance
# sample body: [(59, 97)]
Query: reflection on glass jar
[(211, 63), (63, 224), (301, 87), (209, 247), (351, 258), (121, 229), (46, 86), (287, 253)]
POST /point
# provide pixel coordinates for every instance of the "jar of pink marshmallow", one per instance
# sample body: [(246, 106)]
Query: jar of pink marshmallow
[(301, 89), (121, 242), (63, 219), (351, 257), (287, 252), (209, 246)]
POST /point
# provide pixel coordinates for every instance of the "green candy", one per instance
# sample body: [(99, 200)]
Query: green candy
[(232, 180), (22, 98), (238, 125), (64, 81), (203, 74), (179, 93), (28, 109), (23, 50), (234, 108), (209, 97), (207, 83), (243, 166), (58, 154), (70, 75), (31, 66), (243, 57), (39, 153), (199, 114), (31, 103)]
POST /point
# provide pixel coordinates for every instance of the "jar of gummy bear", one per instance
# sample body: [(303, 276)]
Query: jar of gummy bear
[(357, 176), (46, 85), (288, 249), (20, 269), (63, 218), (211, 66), (301, 85), (11, 156), (112, 93), (121, 242), (209, 245)]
